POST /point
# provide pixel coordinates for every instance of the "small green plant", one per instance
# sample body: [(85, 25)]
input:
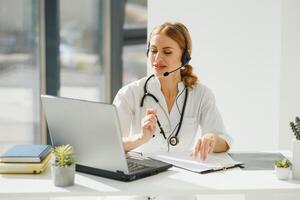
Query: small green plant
[(64, 155), (282, 163), (295, 126)]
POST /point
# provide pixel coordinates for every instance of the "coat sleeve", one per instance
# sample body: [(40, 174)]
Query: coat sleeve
[(210, 117), (124, 104)]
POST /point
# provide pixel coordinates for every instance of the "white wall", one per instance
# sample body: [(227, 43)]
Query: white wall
[(290, 70), (237, 51)]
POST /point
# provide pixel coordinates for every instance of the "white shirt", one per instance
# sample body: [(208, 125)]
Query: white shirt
[(200, 112)]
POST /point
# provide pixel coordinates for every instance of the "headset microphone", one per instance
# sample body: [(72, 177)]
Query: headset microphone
[(186, 61), (168, 73)]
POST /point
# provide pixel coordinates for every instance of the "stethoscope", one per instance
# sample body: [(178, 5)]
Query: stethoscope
[(174, 139)]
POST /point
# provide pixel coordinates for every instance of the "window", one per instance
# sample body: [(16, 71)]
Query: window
[(135, 14), (134, 63), (19, 73), (134, 51), (81, 69)]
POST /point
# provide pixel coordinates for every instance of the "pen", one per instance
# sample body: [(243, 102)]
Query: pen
[(161, 129)]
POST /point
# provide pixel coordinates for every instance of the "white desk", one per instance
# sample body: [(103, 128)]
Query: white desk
[(257, 184)]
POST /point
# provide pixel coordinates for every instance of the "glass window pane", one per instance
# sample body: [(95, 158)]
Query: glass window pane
[(19, 73), (135, 13), (80, 49), (134, 63)]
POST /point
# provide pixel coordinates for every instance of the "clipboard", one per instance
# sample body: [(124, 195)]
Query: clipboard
[(213, 163)]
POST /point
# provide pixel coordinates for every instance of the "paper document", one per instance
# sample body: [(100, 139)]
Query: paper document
[(213, 162)]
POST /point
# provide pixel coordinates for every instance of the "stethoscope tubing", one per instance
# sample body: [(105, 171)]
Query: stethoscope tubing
[(146, 93)]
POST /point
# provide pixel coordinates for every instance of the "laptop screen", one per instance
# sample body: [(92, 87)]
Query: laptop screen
[(92, 128)]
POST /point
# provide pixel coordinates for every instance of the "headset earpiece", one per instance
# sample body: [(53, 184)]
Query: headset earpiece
[(185, 58)]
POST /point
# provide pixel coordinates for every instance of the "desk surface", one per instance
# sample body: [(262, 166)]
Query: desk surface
[(174, 181)]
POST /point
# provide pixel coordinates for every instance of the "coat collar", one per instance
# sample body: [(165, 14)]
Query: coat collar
[(154, 85)]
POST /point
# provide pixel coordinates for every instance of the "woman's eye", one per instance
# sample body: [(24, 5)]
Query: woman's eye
[(153, 51), (168, 52)]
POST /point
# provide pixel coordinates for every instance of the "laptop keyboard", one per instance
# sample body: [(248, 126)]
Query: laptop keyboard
[(134, 165)]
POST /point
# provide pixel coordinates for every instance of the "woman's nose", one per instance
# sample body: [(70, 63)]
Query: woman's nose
[(157, 57)]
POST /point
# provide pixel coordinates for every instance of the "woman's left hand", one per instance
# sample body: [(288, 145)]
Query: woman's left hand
[(205, 145)]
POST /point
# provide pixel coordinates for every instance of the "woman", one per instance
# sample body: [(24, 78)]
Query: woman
[(163, 112)]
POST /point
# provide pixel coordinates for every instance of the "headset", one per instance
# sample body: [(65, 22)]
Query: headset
[(185, 58)]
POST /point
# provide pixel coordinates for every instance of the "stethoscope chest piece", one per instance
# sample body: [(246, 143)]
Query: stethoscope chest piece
[(174, 141)]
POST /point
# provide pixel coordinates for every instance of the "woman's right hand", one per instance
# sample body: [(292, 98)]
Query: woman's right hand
[(148, 125)]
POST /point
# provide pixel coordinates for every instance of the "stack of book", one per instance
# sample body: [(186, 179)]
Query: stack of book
[(25, 159)]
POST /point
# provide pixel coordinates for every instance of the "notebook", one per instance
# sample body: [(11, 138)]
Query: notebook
[(34, 153), (93, 129), (213, 162), (25, 168)]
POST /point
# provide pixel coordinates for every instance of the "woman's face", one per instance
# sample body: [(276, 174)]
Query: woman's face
[(164, 54)]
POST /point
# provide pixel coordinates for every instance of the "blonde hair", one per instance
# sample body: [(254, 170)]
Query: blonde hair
[(180, 34)]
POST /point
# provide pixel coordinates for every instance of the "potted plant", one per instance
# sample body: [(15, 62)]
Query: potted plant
[(63, 168), (295, 126), (282, 168)]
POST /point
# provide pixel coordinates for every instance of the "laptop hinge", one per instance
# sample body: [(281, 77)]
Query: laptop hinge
[(120, 172)]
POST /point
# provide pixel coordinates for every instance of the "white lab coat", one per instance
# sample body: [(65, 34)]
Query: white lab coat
[(200, 112)]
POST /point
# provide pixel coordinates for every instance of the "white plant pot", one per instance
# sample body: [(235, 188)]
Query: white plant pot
[(63, 176), (296, 159), (282, 173)]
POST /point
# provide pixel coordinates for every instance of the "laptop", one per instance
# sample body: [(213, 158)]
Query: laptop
[(93, 129)]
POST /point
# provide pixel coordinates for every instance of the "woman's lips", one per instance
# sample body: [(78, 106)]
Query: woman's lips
[(159, 67)]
